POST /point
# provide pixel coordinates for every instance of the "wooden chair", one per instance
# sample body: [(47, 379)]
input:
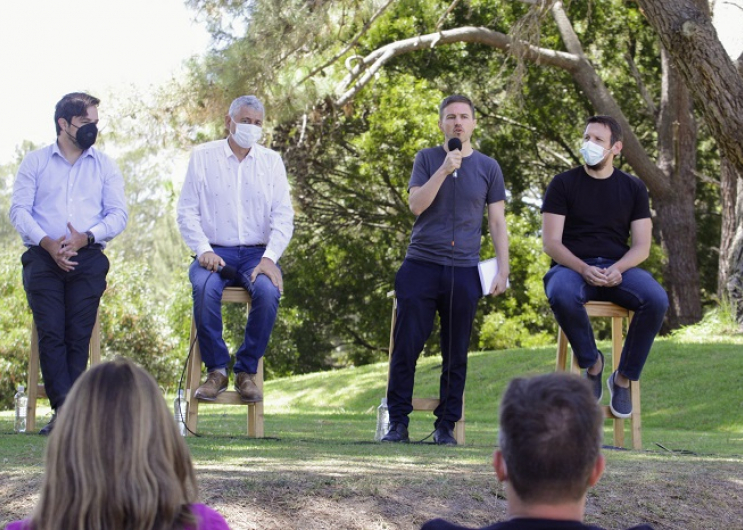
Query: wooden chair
[(618, 315), (421, 404), (236, 295), (37, 390)]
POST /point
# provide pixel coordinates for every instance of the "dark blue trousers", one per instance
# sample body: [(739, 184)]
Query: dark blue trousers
[(64, 306), (568, 292), (422, 290)]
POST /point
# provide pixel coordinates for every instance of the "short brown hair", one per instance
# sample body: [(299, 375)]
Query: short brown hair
[(611, 123), (455, 98), (550, 436), (71, 105)]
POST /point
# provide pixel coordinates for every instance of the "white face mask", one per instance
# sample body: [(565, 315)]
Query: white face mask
[(246, 134), (593, 153)]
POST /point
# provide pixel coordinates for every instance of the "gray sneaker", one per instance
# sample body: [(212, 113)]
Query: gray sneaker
[(595, 380), (620, 401)]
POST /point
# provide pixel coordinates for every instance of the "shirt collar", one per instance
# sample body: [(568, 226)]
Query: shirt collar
[(56, 151), (228, 150)]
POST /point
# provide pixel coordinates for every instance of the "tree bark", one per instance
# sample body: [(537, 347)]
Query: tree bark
[(728, 200), (686, 31), (677, 142), (735, 280)]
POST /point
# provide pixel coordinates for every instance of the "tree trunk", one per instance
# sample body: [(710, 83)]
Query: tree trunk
[(674, 205), (686, 31), (735, 278), (728, 200)]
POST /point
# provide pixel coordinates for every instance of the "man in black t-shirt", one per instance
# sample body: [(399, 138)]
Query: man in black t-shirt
[(549, 454), (449, 191), (589, 213)]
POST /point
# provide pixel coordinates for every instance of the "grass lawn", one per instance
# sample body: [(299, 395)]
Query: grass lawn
[(319, 467)]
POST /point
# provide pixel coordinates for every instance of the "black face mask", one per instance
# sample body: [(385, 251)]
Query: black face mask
[(86, 135)]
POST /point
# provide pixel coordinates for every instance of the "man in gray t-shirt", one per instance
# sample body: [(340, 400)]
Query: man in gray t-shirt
[(449, 190)]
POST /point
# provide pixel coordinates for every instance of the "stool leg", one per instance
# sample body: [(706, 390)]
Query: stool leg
[(562, 351), (193, 379), (95, 341), (255, 410), (635, 419), (459, 427), (33, 380), (616, 352)]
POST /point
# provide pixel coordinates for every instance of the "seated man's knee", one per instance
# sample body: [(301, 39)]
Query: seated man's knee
[(263, 288)]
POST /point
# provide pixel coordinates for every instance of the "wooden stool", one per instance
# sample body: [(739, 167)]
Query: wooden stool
[(617, 315), (230, 397), (36, 390), (421, 404)]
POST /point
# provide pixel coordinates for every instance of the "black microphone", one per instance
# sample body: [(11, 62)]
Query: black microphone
[(454, 145), (227, 272)]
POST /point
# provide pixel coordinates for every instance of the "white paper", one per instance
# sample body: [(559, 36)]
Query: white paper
[(488, 270)]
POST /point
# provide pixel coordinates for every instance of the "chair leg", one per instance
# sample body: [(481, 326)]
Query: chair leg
[(562, 351), (33, 380), (635, 419), (193, 379), (255, 410)]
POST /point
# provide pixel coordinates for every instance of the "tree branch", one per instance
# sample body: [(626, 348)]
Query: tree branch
[(366, 67), (349, 45)]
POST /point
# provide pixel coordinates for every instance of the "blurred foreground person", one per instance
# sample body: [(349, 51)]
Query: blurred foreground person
[(115, 460), (549, 454)]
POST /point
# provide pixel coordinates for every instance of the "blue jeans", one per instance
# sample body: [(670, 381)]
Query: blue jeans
[(207, 309), (422, 289), (568, 292)]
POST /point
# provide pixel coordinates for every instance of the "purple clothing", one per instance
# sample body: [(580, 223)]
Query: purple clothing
[(209, 519), (523, 524)]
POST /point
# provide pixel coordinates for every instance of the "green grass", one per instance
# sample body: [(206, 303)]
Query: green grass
[(319, 448), (692, 400)]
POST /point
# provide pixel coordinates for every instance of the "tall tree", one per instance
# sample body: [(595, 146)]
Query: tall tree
[(716, 85), (671, 178)]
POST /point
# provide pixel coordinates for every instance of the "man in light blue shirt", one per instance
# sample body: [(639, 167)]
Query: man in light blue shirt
[(68, 202)]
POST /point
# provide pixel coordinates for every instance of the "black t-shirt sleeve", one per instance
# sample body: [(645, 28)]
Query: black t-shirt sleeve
[(555, 200)]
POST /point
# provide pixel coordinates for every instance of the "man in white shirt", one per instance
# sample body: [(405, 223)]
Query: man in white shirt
[(235, 213), (68, 202)]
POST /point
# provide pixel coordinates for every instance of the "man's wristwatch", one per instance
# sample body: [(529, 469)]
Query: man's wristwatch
[(91, 237)]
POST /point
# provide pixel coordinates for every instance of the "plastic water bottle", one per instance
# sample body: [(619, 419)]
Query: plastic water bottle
[(383, 420), (21, 400), (180, 408)]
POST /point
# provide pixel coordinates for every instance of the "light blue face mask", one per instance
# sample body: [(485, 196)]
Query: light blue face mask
[(593, 153)]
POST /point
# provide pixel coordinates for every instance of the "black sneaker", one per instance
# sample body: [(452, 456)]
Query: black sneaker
[(595, 380), (46, 430), (398, 433), (444, 436), (620, 401)]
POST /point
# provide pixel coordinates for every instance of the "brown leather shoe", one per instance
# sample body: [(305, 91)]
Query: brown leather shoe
[(246, 387), (215, 384)]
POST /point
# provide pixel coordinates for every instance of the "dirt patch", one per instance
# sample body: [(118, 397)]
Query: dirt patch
[(669, 493)]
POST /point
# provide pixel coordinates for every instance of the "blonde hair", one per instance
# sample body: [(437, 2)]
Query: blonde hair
[(115, 459)]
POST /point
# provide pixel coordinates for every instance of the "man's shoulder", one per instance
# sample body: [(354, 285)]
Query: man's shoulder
[(262, 150), (571, 174), (633, 180), (428, 152)]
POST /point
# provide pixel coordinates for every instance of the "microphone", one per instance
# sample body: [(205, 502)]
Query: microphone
[(227, 272), (454, 145)]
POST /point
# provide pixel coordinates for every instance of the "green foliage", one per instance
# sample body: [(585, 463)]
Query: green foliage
[(134, 323), (15, 325), (523, 318)]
